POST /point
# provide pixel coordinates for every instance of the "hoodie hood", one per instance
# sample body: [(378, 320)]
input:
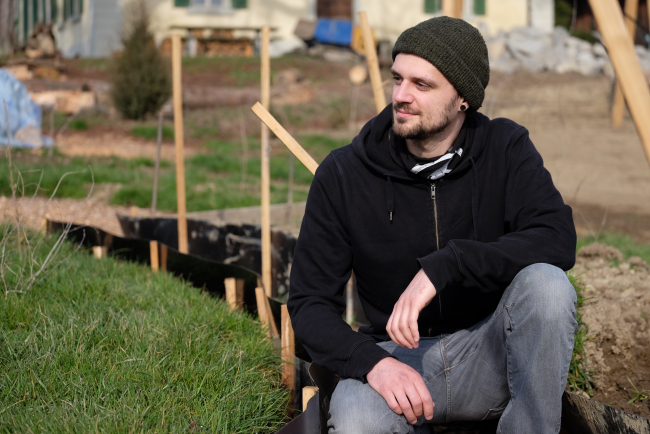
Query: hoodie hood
[(372, 145)]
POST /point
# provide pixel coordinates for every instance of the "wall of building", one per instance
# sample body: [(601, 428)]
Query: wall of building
[(389, 18), (283, 15)]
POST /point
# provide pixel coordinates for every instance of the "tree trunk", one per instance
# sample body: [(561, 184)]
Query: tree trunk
[(7, 37)]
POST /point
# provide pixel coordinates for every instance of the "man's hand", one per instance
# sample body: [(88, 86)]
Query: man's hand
[(403, 389), (402, 325)]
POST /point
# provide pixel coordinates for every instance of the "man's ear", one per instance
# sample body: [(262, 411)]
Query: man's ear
[(464, 105)]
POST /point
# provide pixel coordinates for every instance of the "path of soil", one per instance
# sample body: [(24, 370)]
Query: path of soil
[(616, 311)]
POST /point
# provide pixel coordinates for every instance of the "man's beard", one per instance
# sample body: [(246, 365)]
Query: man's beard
[(427, 127)]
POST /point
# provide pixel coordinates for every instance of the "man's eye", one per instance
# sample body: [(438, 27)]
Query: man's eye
[(423, 86)]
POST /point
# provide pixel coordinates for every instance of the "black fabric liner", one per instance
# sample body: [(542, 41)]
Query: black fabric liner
[(204, 269)]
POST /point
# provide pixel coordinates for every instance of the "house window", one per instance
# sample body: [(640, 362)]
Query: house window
[(479, 7), (72, 8), (432, 6), (236, 4), (211, 6)]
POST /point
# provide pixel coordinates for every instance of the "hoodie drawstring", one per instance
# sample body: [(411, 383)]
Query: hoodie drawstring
[(474, 200), (390, 203)]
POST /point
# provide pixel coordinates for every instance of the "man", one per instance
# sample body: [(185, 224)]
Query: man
[(457, 239)]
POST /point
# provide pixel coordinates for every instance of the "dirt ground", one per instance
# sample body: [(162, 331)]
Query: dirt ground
[(616, 311)]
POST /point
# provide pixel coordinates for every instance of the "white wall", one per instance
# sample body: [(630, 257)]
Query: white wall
[(282, 14)]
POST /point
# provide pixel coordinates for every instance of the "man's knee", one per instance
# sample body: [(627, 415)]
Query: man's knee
[(357, 408), (547, 292)]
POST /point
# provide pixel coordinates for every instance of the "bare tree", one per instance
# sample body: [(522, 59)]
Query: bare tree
[(7, 37)]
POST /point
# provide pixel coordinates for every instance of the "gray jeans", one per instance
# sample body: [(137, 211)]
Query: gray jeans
[(513, 364)]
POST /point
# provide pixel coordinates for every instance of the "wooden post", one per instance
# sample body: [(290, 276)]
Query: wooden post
[(178, 135), (308, 392), (234, 293), (282, 134), (373, 63), (626, 64), (153, 253), (288, 349), (264, 312), (100, 252), (452, 8), (266, 171), (163, 257), (156, 171), (618, 108)]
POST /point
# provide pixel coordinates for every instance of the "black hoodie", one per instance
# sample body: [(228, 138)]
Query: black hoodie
[(495, 214)]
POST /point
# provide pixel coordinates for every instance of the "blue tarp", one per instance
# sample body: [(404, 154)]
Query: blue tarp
[(21, 110), (337, 32)]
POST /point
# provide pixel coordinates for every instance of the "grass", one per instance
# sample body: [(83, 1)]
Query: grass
[(213, 178), (580, 377), (150, 132), (624, 243), (110, 346)]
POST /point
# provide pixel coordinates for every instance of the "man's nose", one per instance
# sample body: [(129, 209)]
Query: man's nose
[(402, 93)]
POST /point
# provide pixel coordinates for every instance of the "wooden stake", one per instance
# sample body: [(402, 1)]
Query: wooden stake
[(234, 293), (618, 108), (288, 349), (308, 392), (178, 135), (373, 63), (285, 137), (266, 171), (100, 252), (153, 253), (626, 64), (452, 8), (163, 257), (156, 171), (265, 314)]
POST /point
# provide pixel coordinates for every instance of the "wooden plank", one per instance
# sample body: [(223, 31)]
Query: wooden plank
[(163, 257), (178, 135), (266, 171), (265, 314), (373, 63), (618, 108), (308, 392), (582, 415), (153, 254), (288, 348), (626, 64), (234, 293), (285, 137), (452, 8)]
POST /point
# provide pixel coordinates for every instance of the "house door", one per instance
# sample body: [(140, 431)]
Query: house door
[(336, 9)]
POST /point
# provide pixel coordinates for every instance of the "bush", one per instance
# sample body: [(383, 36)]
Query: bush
[(140, 77)]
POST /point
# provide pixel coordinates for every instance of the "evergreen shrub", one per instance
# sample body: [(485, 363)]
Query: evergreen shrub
[(140, 76)]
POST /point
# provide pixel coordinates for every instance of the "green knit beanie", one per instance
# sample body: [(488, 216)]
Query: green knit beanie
[(456, 48)]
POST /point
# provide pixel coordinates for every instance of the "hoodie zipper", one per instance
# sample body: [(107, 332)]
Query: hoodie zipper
[(435, 216), (435, 212)]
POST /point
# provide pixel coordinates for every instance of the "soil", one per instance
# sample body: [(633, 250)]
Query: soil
[(616, 310)]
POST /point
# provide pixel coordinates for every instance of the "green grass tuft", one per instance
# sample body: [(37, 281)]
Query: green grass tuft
[(580, 376), (106, 345), (78, 125), (150, 132)]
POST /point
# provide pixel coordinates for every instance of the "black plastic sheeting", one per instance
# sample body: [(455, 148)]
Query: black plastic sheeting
[(219, 252), (229, 244)]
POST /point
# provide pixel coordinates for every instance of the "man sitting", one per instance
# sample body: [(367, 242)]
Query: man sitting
[(457, 238)]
